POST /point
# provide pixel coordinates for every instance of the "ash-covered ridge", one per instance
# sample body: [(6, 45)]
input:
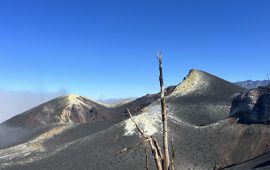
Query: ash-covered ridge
[(202, 99), (202, 83), (66, 109), (196, 81), (78, 109)]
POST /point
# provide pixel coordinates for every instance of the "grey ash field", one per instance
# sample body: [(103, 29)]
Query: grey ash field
[(73, 132)]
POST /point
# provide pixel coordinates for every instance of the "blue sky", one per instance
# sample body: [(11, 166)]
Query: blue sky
[(106, 49)]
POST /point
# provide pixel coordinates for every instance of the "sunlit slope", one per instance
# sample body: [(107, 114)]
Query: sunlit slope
[(202, 98), (66, 109)]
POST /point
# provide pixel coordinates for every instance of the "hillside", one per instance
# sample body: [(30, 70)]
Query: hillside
[(202, 98), (203, 135)]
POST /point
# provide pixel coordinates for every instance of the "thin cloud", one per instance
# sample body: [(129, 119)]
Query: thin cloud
[(16, 102)]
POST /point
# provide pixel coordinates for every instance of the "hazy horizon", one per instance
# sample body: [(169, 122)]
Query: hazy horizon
[(14, 102)]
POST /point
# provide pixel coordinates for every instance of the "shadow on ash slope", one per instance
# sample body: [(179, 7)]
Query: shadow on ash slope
[(221, 142), (217, 145), (29, 150), (202, 98)]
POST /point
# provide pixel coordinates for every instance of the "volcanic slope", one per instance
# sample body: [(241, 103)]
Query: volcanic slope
[(77, 109), (82, 146), (65, 109), (261, 162), (202, 98), (68, 110)]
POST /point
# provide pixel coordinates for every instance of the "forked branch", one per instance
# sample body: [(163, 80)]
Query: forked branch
[(152, 142)]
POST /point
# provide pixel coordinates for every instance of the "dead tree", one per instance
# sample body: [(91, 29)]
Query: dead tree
[(164, 116), (156, 151), (161, 157)]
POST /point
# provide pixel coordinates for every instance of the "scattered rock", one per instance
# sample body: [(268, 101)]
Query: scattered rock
[(252, 106)]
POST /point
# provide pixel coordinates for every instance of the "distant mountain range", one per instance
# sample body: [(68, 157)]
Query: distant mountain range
[(250, 84)]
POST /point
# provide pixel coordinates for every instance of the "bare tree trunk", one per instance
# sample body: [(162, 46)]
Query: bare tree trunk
[(173, 156), (155, 152), (146, 156), (164, 116)]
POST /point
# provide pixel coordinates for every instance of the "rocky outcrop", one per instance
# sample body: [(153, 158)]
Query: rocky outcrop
[(252, 106)]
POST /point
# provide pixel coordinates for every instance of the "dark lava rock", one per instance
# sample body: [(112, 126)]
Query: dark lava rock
[(252, 106)]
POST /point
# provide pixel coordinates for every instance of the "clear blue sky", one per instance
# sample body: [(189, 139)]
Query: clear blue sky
[(107, 48)]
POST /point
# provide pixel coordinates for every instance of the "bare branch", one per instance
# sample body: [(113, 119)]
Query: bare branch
[(173, 156), (159, 152), (155, 154), (141, 132), (131, 147), (152, 142), (146, 156)]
